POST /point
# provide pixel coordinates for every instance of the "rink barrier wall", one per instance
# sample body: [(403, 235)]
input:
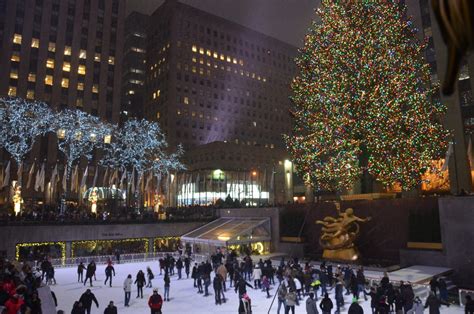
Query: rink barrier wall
[(124, 258)]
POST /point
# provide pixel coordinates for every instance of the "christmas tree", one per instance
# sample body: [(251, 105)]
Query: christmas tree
[(363, 100)]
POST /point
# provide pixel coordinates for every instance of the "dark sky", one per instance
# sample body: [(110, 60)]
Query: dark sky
[(286, 20)]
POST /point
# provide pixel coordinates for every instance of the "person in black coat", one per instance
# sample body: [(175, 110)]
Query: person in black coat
[(326, 304), (111, 308), (217, 284), (109, 270), (194, 274), (140, 281), (80, 272), (78, 308), (355, 308), (187, 264), (241, 286), (469, 305), (89, 273), (86, 299)]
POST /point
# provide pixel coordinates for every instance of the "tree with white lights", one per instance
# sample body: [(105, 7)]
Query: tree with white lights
[(79, 134), (21, 122)]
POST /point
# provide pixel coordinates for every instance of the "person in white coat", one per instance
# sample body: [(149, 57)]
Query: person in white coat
[(127, 288), (257, 278), (418, 307)]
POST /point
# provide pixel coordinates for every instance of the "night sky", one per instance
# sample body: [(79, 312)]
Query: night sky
[(287, 20)]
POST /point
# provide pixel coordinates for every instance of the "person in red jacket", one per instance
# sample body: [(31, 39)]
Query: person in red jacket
[(155, 302), (14, 304)]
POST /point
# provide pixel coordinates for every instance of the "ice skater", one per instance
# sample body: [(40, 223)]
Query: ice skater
[(109, 270)]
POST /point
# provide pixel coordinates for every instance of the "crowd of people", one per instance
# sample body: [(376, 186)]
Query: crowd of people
[(19, 287), (292, 283)]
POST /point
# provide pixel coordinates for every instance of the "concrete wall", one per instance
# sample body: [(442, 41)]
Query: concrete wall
[(12, 235), (457, 232), (273, 213)]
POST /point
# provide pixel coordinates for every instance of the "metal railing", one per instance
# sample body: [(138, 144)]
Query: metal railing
[(124, 258)]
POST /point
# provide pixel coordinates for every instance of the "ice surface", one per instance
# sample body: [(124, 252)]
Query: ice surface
[(184, 297)]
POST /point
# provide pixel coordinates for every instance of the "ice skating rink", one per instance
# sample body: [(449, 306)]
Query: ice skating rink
[(184, 297)]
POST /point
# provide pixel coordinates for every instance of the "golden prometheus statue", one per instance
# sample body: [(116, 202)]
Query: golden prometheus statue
[(338, 235)]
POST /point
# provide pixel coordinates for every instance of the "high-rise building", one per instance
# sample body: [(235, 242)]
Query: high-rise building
[(218, 87), (134, 65), (63, 52), (460, 114)]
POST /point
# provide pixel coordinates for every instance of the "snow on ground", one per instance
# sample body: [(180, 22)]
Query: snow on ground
[(184, 297)]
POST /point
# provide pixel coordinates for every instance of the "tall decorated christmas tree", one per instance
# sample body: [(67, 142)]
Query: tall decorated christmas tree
[(363, 100)]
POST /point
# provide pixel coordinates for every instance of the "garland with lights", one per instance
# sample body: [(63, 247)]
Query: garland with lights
[(363, 101), (95, 243), (62, 245)]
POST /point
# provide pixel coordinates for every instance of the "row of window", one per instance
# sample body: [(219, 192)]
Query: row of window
[(17, 39)]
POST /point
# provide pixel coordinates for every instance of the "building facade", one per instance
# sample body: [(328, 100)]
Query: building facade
[(222, 91), (66, 53), (134, 66), (460, 114)]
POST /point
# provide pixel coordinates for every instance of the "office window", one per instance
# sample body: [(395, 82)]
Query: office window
[(67, 50), (15, 57), (30, 94), (50, 63), (97, 57), (34, 43), (82, 54), (52, 47), (111, 60), (95, 88), (80, 86), (17, 39), (48, 80), (12, 91), (31, 77), (65, 82), (14, 74), (81, 69), (66, 67)]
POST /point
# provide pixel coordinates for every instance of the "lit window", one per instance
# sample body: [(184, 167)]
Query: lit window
[(208, 52), (253, 75), (136, 49), (80, 86), (241, 62), (193, 114), (201, 51), (194, 48), (234, 61), (259, 78), (178, 112), (194, 60), (52, 47), (31, 77), (79, 102), (201, 61), (65, 82), (229, 59), (131, 92), (201, 71), (194, 69), (17, 39), (66, 67), (107, 139), (82, 54), (157, 93), (81, 69), (208, 63), (35, 43), (254, 123), (158, 115), (264, 79), (50, 63), (30, 94), (67, 50), (154, 95), (95, 88), (12, 91), (48, 80), (111, 60), (215, 55), (186, 100), (222, 57), (14, 74), (15, 57), (97, 57)]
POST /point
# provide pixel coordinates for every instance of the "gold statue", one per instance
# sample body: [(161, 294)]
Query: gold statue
[(338, 235)]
